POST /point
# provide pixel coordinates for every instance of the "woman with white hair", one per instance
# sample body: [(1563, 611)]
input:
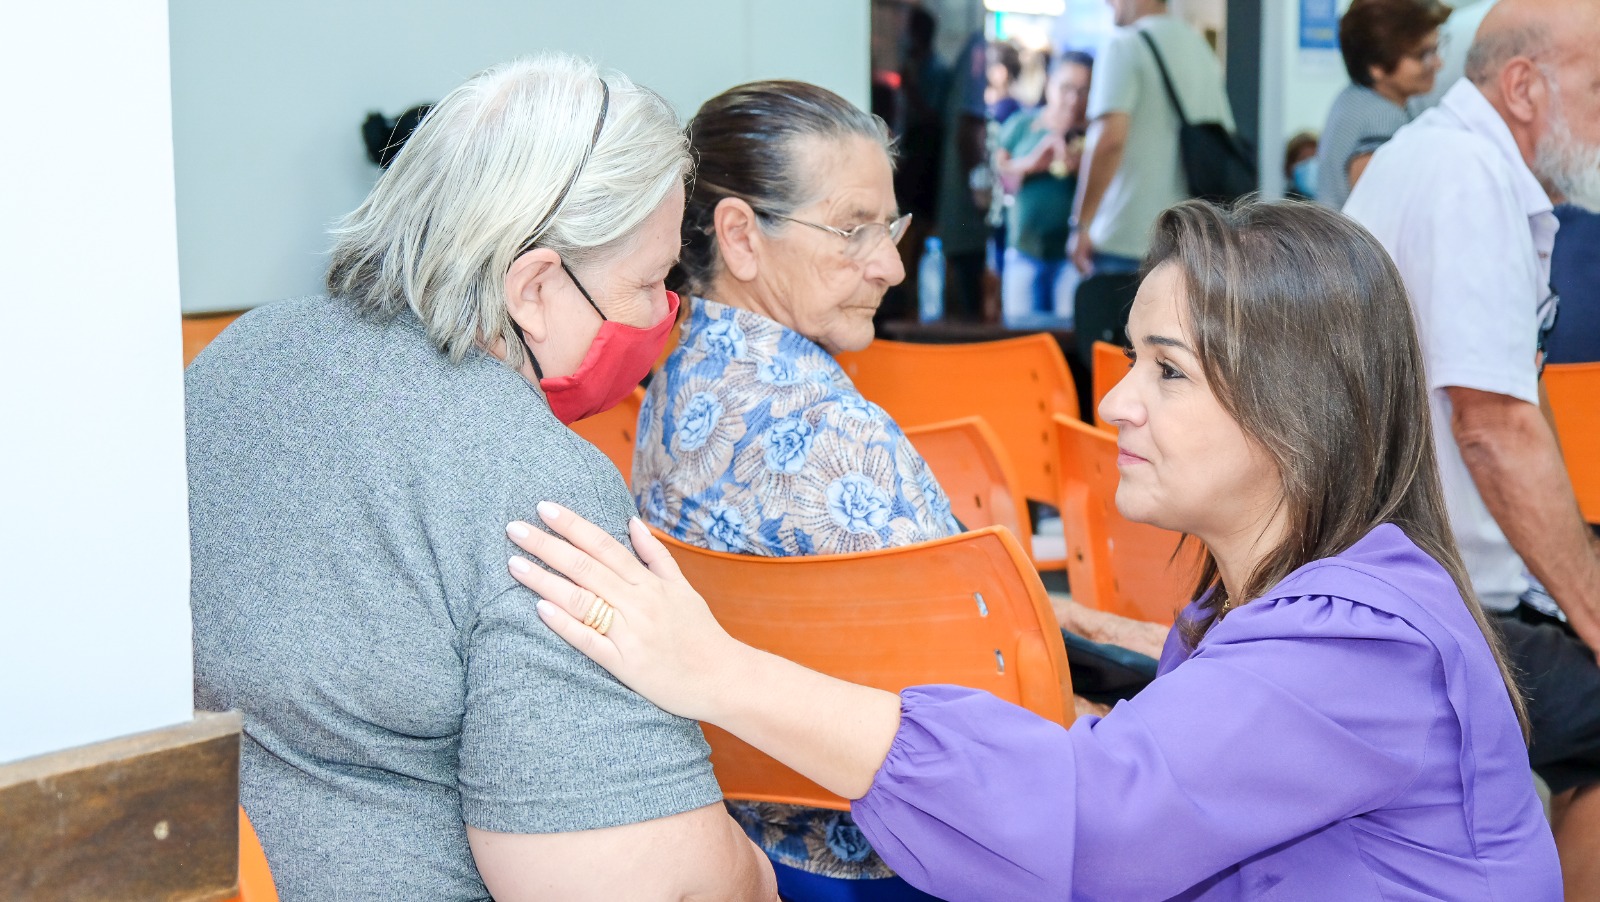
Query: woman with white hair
[(412, 731)]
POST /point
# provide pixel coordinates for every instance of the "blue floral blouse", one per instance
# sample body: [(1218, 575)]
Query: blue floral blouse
[(753, 440)]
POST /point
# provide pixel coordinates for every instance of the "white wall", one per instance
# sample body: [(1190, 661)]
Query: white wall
[(94, 543), (1313, 77), (1297, 87), (268, 99)]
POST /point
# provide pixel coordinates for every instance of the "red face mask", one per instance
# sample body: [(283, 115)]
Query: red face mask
[(617, 359)]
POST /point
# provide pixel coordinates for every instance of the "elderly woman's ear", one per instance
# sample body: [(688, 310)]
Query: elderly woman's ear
[(738, 238), (527, 281)]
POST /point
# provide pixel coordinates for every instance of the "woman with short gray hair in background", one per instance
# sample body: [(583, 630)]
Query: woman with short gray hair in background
[(412, 731)]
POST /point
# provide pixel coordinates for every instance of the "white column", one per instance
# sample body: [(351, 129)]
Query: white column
[(1276, 27), (94, 543)]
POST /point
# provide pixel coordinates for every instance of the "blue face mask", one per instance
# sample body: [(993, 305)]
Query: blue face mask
[(1305, 177)]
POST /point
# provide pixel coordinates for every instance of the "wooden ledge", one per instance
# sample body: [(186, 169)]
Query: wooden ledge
[(152, 816)]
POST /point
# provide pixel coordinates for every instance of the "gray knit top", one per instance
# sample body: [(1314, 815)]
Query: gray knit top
[(349, 490), (1360, 121)]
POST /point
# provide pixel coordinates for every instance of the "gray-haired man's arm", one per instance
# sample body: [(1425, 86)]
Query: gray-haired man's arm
[(1510, 449)]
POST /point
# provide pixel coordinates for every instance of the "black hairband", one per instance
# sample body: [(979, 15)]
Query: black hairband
[(599, 123)]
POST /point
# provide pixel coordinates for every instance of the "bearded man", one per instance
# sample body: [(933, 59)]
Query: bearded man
[(1462, 199)]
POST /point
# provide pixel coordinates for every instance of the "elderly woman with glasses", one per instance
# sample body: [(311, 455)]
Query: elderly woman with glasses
[(752, 439), (412, 731)]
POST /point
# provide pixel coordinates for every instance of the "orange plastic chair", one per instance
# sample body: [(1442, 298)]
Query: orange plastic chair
[(614, 431), (255, 878), (1015, 384), (967, 610), (1113, 564), (1109, 366), (200, 328), (966, 459), (1574, 390)]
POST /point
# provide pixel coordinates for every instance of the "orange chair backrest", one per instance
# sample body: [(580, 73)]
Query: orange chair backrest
[(1114, 564), (255, 878), (1110, 364), (1015, 384), (967, 610), (200, 328), (967, 461), (1574, 390), (614, 431)]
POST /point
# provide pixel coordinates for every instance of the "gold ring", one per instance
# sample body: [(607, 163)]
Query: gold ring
[(605, 619), (595, 610)]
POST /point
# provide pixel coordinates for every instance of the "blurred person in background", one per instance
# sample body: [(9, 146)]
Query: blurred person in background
[(1300, 166), (918, 127), (1391, 52), (1037, 161), (1575, 273), (965, 185), (1131, 171), (1005, 65), (1455, 38)]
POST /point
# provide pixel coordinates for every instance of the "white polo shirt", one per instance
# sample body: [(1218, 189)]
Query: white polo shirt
[(1471, 229)]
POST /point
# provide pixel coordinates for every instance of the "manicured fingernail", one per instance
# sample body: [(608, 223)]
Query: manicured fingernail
[(519, 566), (517, 530), (635, 521), (545, 608), (548, 511)]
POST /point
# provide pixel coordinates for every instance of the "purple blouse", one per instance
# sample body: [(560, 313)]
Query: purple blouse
[(1346, 736)]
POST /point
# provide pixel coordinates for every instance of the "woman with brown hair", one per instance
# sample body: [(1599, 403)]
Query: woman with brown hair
[(1391, 51), (1332, 720)]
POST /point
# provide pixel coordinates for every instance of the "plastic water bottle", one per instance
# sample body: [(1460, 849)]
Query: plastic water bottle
[(930, 282)]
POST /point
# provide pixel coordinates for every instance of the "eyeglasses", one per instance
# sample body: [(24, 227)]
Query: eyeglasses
[(859, 241), (1425, 55)]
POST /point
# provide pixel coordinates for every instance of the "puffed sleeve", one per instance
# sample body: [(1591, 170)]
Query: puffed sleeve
[(975, 798), (1292, 715)]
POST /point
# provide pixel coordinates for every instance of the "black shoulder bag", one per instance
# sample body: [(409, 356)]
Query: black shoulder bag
[(1217, 165)]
